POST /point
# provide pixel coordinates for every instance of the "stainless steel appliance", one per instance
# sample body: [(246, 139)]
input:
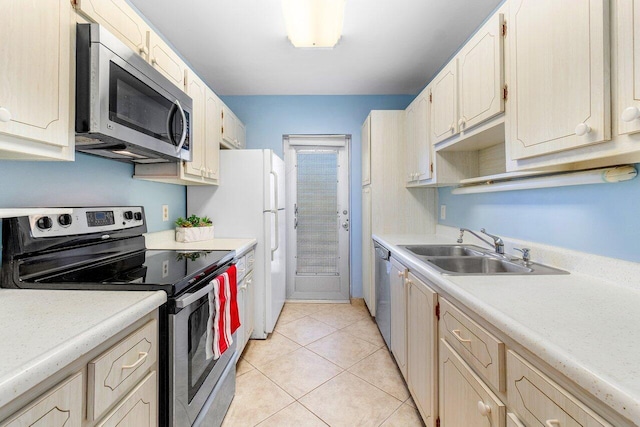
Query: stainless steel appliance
[(103, 248), (125, 109), (383, 292)]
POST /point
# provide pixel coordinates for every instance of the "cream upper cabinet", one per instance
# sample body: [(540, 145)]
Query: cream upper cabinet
[(121, 20), (212, 135), (365, 135), (241, 134), (628, 66), (37, 65), (197, 90), (464, 399), (399, 315), (444, 103), (421, 345), (165, 60), (559, 92), (229, 127), (417, 136), (481, 76)]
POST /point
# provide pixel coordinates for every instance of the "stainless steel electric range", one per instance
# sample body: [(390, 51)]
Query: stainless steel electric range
[(102, 248)]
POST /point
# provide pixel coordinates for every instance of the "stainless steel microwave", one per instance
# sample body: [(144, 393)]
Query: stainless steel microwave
[(125, 109)]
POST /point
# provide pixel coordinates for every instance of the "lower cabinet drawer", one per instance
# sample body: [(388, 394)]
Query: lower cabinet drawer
[(241, 268), (60, 407), (119, 369), (465, 400), (540, 402), (513, 421), (138, 409), (479, 348)]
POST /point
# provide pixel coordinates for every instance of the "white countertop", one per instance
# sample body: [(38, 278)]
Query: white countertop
[(44, 330), (166, 240), (584, 327)]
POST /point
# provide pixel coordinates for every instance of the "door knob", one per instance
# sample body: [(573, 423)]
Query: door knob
[(5, 115), (630, 114), (582, 129), (345, 224)]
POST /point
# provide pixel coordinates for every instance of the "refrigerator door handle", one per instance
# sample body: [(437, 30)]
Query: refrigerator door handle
[(275, 211)]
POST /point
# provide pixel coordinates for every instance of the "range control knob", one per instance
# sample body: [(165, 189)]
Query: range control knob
[(44, 223), (128, 215), (65, 220), (138, 216)]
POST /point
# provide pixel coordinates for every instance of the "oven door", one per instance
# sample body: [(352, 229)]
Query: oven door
[(193, 376)]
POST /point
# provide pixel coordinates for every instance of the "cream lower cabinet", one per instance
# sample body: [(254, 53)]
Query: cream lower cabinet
[(464, 399), (121, 387), (246, 299), (399, 315), (37, 65), (559, 92), (422, 348)]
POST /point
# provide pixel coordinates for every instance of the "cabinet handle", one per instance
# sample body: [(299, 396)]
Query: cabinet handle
[(484, 410), (456, 333), (142, 356), (153, 61), (582, 129), (630, 114), (552, 423), (5, 115), (400, 274), (452, 128), (461, 123), (142, 50)]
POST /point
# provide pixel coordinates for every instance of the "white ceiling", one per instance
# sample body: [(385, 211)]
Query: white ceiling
[(240, 47)]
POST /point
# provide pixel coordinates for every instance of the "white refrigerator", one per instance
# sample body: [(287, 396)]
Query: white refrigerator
[(249, 203)]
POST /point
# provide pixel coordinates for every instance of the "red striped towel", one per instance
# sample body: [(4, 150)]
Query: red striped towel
[(225, 319)]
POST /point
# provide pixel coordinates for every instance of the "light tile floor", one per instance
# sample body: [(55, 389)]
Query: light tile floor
[(325, 364)]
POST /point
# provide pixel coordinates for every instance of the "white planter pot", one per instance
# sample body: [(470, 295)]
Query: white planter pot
[(193, 234)]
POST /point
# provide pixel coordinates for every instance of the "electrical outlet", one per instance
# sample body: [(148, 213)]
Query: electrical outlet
[(443, 211), (165, 268), (165, 212)]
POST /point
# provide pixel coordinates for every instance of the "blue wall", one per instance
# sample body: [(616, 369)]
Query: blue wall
[(269, 117), (88, 181), (599, 219)]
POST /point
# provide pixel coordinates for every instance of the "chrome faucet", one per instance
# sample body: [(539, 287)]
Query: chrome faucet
[(497, 243)]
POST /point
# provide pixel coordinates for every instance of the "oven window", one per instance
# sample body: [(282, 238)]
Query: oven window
[(199, 366), (134, 104)]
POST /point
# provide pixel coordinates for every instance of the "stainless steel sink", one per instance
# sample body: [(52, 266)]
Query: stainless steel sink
[(487, 265), (445, 250)]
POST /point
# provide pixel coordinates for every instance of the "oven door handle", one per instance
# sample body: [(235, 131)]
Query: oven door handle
[(190, 298)]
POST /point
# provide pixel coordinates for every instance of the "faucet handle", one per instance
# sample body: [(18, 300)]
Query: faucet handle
[(526, 254), (460, 237)]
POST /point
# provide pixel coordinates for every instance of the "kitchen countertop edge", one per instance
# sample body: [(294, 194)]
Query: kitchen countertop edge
[(603, 387)]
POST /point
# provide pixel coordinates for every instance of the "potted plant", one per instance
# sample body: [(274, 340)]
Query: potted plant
[(194, 229)]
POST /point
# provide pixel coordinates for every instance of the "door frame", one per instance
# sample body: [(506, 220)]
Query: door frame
[(289, 152)]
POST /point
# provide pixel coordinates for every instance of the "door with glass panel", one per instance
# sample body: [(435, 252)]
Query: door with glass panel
[(318, 212)]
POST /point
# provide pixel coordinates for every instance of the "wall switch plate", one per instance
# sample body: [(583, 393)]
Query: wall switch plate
[(443, 211), (165, 212)]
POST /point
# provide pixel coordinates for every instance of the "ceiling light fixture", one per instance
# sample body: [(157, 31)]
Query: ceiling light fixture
[(313, 23)]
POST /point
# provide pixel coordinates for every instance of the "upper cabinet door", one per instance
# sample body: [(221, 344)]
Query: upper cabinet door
[(212, 131), (165, 60), (36, 78), (444, 103), (411, 164), (421, 138), (366, 151), (480, 64), (628, 66), (229, 127), (196, 89), (558, 75), (119, 18)]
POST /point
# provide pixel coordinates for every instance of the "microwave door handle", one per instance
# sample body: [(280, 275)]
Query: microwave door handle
[(184, 127), (172, 112)]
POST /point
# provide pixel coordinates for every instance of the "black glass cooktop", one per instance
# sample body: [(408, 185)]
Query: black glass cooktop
[(168, 270)]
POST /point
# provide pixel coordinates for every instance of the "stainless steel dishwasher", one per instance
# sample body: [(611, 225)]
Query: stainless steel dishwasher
[(383, 292)]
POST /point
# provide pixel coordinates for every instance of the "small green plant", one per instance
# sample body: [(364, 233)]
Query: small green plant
[(194, 221)]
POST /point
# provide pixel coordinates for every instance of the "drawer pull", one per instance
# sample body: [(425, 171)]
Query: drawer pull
[(484, 410), (552, 423), (456, 333), (142, 356), (400, 273)]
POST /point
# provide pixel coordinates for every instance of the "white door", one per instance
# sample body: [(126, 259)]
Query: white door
[(318, 211)]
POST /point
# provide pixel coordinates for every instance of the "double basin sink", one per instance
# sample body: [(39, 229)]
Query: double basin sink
[(474, 260)]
